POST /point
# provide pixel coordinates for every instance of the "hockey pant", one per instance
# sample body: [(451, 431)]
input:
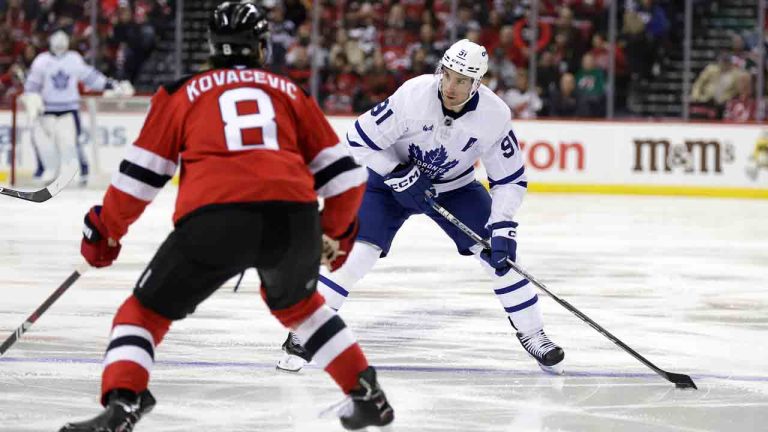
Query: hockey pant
[(207, 248), (55, 136)]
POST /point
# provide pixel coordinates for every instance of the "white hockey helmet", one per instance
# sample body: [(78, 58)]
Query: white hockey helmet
[(58, 42), (469, 59), (466, 58)]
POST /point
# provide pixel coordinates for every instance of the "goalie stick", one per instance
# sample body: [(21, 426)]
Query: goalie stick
[(16, 335), (65, 176), (680, 380)]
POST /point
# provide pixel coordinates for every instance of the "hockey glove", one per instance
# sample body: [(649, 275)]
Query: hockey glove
[(97, 247), (503, 246), (409, 186), (336, 251)]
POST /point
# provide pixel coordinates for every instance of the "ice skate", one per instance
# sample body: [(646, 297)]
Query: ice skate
[(368, 405), (294, 355), (120, 415), (547, 353)]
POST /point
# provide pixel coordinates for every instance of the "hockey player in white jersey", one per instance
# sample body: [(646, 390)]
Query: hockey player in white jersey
[(427, 137), (52, 100)]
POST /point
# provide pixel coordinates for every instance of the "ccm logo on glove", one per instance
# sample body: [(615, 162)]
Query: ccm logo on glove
[(403, 183)]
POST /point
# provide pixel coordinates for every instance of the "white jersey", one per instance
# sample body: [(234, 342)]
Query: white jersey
[(56, 78), (411, 125)]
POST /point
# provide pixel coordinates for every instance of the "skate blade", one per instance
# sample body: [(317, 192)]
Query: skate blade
[(290, 363), (556, 369)]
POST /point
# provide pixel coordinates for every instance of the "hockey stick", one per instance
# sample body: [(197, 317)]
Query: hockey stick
[(46, 193), (240, 279), (680, 380), (16, 335)]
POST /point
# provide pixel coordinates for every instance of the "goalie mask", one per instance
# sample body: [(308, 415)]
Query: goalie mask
[(238, 34), (58, 42), (467, 58)]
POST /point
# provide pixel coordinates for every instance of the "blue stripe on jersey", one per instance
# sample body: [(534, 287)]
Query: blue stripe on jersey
[(365, 137), (353, 143), (509, 179), (522, 305), (511, 288), (334, 286), (470, 170), (522, 184)]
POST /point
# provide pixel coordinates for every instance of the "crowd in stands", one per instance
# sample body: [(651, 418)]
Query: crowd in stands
[(125, 31), (725, 88), (368, 48)]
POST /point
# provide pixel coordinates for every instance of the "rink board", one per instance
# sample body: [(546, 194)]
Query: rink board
[(561, 156)]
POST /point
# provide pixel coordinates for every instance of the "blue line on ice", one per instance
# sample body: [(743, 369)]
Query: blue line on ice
[(393, 368)]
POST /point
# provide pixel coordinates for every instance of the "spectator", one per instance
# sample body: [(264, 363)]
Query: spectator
[(564, 102), (351, 50), (523, 102), (547, 75), (362, 27), (340, 87), (566, 54), (135, 41), (298, 68), (742, 107), (716, 84), (433, 49), (283, 34), (419, 65), (394, 39), (378, 83), (489, 35), (590, 84), (507, 48)]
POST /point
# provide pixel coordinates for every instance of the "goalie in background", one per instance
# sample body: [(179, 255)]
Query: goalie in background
[(52, 99)]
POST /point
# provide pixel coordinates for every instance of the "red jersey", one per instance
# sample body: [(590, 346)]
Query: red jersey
[(239, 136)]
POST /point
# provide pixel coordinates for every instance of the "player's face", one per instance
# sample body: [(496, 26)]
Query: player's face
[(455, 88)]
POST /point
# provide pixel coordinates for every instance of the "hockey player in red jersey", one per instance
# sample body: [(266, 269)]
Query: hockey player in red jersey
[(254, 153)]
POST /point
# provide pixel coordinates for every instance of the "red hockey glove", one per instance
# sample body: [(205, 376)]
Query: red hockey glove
[(336, 251), (97, 248)]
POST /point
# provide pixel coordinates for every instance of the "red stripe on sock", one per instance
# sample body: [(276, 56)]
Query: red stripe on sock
[(346, 366), (124, 374), (292, 316), (132, 312)]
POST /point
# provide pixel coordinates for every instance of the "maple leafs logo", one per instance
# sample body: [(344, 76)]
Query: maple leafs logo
[(60, 80), (434, 163)]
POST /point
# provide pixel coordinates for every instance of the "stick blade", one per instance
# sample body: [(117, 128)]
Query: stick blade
[(68, 172), (681, 381)]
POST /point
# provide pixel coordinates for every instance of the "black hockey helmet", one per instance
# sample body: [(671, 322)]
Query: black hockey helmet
[(238, 34)]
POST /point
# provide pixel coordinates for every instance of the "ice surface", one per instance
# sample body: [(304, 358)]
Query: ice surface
[(681, 280)]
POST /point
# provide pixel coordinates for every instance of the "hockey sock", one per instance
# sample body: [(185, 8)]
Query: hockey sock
[(136, 331), (335, 286), (324, 335), (518, 299)]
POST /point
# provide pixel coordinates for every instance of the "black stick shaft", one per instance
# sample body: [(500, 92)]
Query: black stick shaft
[(678, 379), (16, 335)]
